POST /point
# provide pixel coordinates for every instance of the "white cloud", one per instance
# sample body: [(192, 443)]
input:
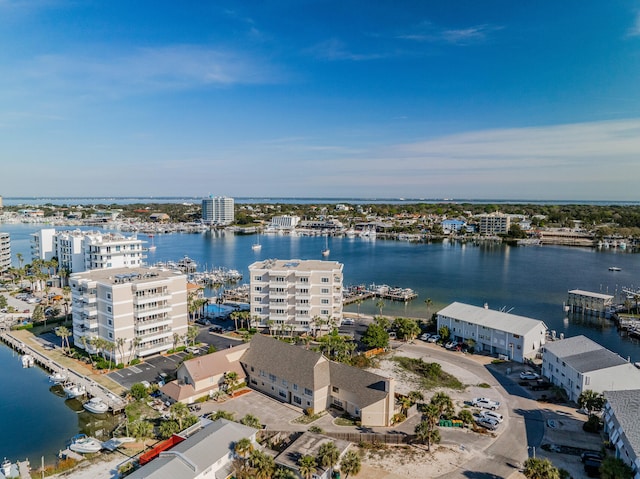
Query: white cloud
[(428, 32), (634, 31), (334, 49)]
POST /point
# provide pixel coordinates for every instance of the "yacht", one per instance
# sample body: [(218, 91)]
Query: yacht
[(58, 377), (73, 391), (96, 405), (28, 361), (326, 250), (8, 469), (84, 445), (614, 268)]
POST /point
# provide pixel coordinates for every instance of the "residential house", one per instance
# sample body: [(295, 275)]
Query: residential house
[(495, 332), (207, 454), (622, 425), (578, 363), (308, 444)]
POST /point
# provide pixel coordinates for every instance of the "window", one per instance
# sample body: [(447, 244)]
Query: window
[(308, 392), (285, 383), (110, 335), (109, 322), (325, 290), (282, 394), (295, 387), (108, 309), (297, 400), (324, 312), (304, 280), (272, 378), (335, 389), (325, 280), (257, 278), (337, 403), (325, 301), (257, 288), (108, 295)]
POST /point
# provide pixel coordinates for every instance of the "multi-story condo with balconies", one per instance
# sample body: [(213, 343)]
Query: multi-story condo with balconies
[(5, 252), (218, 210), (494, 224), (295, 295), (79, 251), (137, 309)]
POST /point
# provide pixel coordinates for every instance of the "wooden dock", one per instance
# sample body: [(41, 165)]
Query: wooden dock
[(93, 389)]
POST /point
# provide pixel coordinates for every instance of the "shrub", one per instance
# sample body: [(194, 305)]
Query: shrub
[(592, 424), (316, 429), (135, 361), (309, 411), (484, 385), (119, 366)]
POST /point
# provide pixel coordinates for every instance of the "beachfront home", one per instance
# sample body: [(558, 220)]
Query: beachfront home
[(622, 425), (494, 332), (578, 363), (312, 382), (296, 296), (204, 375), (136, 309), (207, 454)]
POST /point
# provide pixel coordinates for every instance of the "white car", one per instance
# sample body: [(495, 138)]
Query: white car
[(348, 322), (495, 416), (529, 375), (485, 403), (487, 423), (424, 337), (433, 339)]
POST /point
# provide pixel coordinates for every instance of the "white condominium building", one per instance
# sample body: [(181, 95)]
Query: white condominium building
[(79, 251), (5, 252), (296, 295), (494, 224), (284, 222), (218, 210), (136, 309)]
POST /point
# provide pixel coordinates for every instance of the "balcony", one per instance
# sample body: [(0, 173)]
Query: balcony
[(163, 333), (143, 313), (150, 298), (144, 325)]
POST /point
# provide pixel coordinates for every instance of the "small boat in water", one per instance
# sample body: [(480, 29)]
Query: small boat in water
[(96, 405), (614, 268), (28, 361), (73, 390), (8, 469), (84, 444), (58, 377)]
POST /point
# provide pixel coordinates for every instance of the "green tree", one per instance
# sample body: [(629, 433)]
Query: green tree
[(263, 465), (406, 328), (230, 381), (429, 303), (328, 455), (178, 412), (168, 428), (375, 336), (591, 401), (615, 468), (139, 391), (243, 448), (141, 430), (284, 473), (443, 403), (192, 334), (63, 333), (222, 415), (350, 464), (466, 417), (536, 468), (444, 333), (307, 466), (38, 314), (380, 305), (251, 421)]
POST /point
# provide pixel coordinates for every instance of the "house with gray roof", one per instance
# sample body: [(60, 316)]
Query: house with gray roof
[(309, 380), (578, 363), (494, 332), (207, 454), (309, 444), (622, 425)]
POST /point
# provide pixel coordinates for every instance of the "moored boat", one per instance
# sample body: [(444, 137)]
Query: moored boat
[(73, 390), (84, 444), (58, 377), (614, 268), (28, 361), (96, 405), (8, 469)]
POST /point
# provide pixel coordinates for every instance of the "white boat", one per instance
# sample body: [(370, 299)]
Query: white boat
[(28, 361), (73, 390), (96, 405), (84, 445), (326, 250), (8, 469), (614, 268), (58, 377), (256, 247), (153, 246)]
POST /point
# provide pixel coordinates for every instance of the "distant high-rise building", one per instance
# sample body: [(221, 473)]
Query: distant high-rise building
[(218, 210), (494, 223), (5, 252)]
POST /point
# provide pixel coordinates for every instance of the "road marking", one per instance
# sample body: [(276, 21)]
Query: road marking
[(118, 374), (151, 365), (135, 369)]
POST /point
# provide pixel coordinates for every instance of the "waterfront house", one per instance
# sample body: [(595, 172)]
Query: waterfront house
[(578, 363), (204, 375), (494, 332), (207, 454), (622, 425), (312, 382)]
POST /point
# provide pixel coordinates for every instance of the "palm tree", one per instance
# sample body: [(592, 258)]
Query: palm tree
[(178, 412), (358, 303), (307, 466), (540, 469), (426, 433), (263, 464), (251, 421), (428, 302), (415, 396), (230, 381), (243, 448), (443, 403), (350, 464), (615, 468), (64, 333), (380, 305), (405, 404), (328, 456), (20, 259), (192, 334), (66, 292), (142, 430), (284, 473), (235, 316), (466, 417)]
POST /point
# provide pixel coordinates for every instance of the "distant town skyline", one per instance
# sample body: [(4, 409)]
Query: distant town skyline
[(463, 99)]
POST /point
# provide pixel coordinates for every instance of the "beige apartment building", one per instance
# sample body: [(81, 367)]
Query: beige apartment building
[(137, 309), (494, 224), (296, 296), (5, 252)]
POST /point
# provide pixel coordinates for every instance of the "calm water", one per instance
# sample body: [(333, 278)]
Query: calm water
[(529, 281)]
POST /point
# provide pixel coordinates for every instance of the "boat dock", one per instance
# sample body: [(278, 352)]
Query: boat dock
[(353, 294), (92, 388)]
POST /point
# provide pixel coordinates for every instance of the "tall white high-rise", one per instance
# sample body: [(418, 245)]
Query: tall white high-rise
[(5, 252), (218, 210)]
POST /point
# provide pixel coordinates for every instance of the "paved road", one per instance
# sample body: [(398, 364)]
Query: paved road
[(523, 425)]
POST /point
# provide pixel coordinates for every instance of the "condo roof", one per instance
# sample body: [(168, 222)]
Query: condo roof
[(625, 405), (583, 354), (297, 265), (511, 323)]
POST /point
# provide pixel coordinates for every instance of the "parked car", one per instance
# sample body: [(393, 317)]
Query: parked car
[(392, 335), (485, 403), (592, 467), (424, 336), (348, 322), (192, 350), (492, 415), (216, 329), (529, 375), (450, 345), (586, 455), (490, 424), (434, 339), (540, 385)]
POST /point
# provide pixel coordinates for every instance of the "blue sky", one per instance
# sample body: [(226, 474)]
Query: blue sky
[(420, 99)]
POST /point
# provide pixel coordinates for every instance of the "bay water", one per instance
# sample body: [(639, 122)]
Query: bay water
[(528, 281)]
